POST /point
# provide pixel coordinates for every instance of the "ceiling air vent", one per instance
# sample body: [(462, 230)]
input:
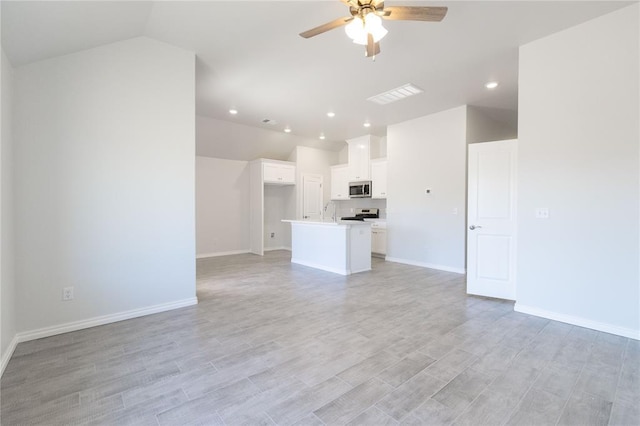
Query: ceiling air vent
[(395, 94)]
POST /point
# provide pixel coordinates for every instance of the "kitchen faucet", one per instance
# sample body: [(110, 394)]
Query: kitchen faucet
[(333, 215)]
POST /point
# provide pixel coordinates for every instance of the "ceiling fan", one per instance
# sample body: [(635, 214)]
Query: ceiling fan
[(364, 26)]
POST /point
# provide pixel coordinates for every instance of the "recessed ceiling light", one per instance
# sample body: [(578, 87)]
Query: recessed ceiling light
[(233, 111), (331, 114), (367, 124), (322, 136), (287, 130), (491, 85)]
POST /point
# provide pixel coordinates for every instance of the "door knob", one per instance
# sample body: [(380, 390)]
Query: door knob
[(472, 227)]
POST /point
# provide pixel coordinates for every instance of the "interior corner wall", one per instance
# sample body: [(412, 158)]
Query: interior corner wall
[(104, 185), (428, 153), (222, 207), (7, 284), (482, 128), (579, 156)]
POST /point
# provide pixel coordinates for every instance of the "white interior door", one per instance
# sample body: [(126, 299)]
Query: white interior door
[(312, 198), (491, 219)]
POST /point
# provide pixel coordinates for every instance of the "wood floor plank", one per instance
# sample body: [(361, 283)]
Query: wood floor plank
[(350, 404)]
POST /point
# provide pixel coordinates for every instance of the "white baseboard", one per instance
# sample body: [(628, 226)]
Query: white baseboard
[(277, 248), (426, 265), (25, 336), (221, 253), (581, 322), (6, 356)]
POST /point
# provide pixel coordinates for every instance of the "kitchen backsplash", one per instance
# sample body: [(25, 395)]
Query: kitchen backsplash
[(347, 207)]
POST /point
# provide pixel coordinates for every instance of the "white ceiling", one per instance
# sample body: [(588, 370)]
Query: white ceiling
[(250, 57)]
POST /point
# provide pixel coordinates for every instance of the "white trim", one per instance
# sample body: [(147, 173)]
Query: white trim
[(318, 266), (581, 322), (222, 253), (6, 356), (426, 265), (106, 319), (277, 248)]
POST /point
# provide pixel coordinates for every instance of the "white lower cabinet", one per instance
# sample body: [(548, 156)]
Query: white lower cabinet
[(378, 241)]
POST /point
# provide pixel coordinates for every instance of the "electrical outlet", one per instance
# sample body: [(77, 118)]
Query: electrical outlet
[(455, 211), (542, 213), (273, 235), (67, 293)]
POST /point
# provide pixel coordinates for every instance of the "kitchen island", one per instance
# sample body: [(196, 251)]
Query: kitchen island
[(342, 247)]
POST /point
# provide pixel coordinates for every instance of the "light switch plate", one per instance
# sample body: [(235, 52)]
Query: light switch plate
[(542, 213)]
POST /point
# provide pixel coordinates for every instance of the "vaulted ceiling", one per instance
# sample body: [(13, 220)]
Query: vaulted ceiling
[(251, 58)]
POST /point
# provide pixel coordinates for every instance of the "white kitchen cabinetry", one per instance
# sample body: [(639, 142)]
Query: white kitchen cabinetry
[(279, 173), (379, 178), (359, 157), (279, 176), (340, 182), (378, 240)]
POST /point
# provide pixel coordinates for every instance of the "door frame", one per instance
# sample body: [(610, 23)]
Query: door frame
[(301, 193), (513, 143)]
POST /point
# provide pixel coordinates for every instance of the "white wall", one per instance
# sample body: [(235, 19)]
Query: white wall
[(427, 152), (579, 156), (104, 184), (7, 287), (222, 206), (279, 203)]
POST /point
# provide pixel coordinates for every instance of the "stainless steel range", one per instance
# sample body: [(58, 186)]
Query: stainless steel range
[(362, 214)]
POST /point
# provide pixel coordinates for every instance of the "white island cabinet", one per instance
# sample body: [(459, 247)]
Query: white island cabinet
[(341, 247)]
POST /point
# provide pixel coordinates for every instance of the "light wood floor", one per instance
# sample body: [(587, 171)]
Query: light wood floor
[(275, 343)]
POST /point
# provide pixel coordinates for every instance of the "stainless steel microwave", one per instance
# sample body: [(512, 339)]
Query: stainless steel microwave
[(360, 189)]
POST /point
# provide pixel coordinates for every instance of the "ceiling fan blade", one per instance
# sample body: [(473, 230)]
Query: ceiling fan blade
[(326, 27), (414, 13), (373, 48)]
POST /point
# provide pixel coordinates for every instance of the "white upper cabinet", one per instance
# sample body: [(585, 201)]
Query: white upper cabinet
[(279, 173), (379, 178), (359, 155), (340, 182)]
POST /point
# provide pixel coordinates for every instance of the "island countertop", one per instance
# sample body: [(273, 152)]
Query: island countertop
[(328, 223)]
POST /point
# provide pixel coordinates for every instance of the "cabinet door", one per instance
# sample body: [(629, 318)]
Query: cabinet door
[(339, 183), (379, 241), (359, 155), (375, 241), (288, 174), (382, 241), (379, 179), (279, 173)]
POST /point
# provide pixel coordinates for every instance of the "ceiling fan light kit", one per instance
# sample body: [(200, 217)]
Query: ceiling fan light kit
[(364, 26), (359, 30)]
